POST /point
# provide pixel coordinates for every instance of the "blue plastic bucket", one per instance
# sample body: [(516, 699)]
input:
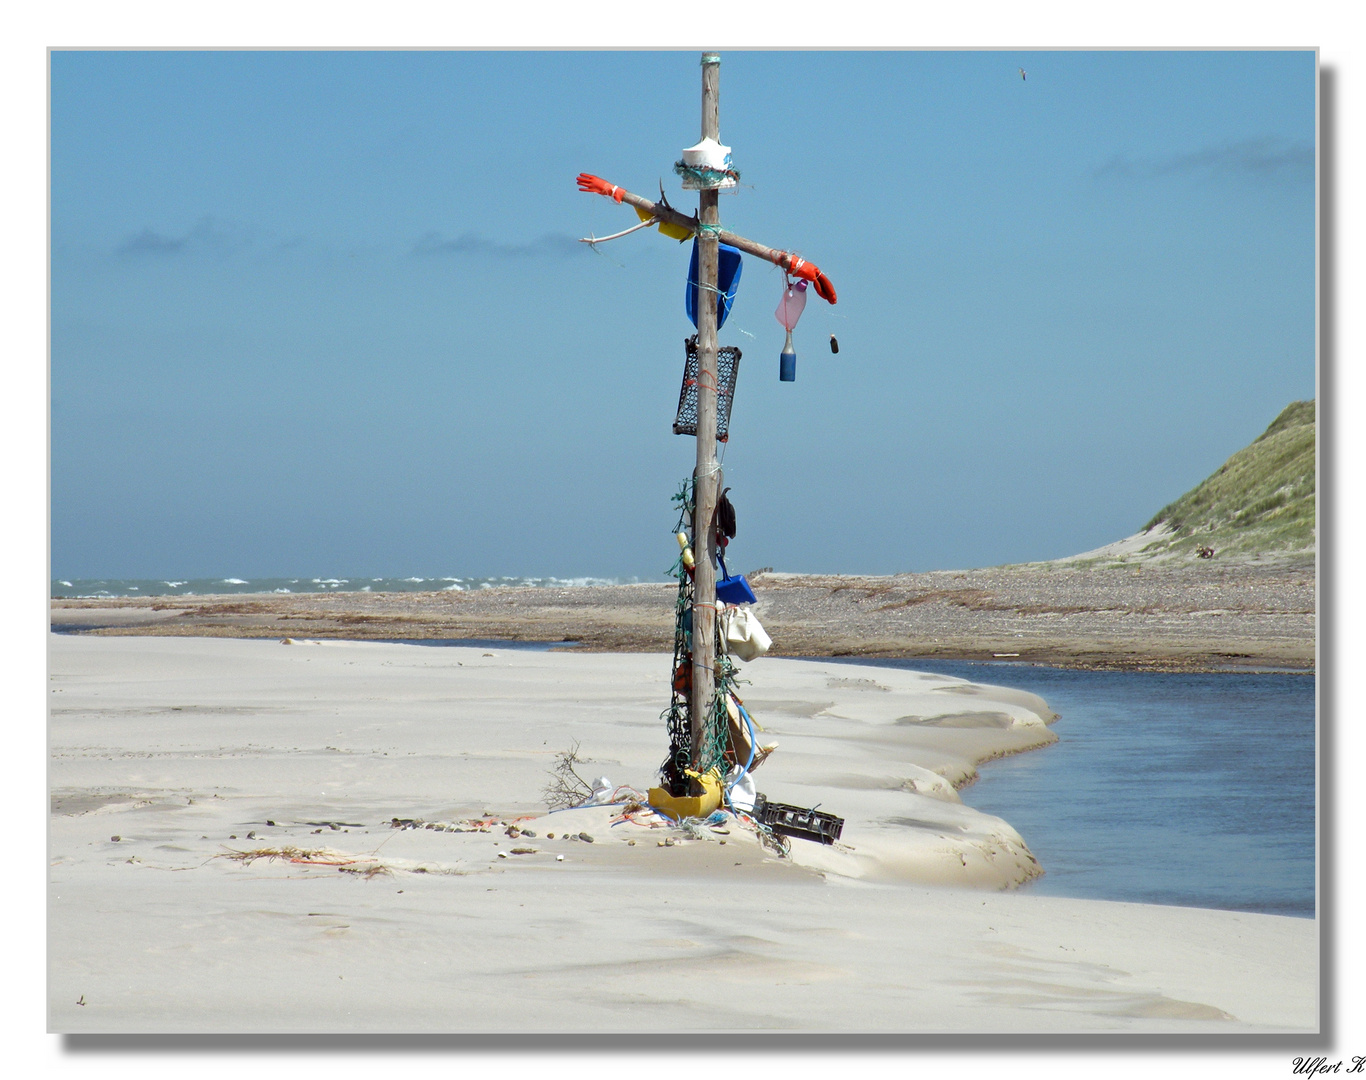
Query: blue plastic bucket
[(734, 590), (728, 266)]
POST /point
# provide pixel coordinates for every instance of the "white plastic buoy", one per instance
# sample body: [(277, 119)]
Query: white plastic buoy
[(712, 156)]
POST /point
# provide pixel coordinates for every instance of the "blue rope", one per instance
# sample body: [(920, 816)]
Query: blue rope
[(712, 288), (710, 177), (753, 740)]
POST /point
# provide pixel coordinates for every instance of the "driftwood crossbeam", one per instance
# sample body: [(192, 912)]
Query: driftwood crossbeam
[(662, 212)]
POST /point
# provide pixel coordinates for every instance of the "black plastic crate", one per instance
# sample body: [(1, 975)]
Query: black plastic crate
[(795, 821), (727, 368)]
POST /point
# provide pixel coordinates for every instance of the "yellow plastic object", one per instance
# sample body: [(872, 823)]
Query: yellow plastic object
[(698, 806), (673, 232)]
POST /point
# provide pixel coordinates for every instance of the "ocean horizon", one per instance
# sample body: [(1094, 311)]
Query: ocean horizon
[(110, 588)]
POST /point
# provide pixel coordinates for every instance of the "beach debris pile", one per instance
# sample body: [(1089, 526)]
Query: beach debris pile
[(707, 800), (717, 777)]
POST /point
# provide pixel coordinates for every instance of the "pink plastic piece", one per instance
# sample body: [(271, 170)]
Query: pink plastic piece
[(791, 306)]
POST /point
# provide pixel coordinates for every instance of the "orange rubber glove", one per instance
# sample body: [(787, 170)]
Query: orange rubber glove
[(800, 268), (596, 185)]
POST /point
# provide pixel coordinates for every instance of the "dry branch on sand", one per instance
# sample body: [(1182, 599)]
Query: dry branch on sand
[(566, 787)]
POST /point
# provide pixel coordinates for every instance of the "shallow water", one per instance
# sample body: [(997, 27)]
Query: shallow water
[(491, 644), (1188, 789)]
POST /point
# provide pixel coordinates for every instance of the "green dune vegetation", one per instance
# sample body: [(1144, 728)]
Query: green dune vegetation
[(1260, 501)]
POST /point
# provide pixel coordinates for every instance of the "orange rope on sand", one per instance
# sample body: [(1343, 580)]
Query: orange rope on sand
[(631, 813)]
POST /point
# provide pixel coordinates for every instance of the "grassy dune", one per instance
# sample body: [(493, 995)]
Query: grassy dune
[(1260, 500)]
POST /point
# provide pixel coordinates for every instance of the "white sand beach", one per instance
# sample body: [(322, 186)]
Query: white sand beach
[(222, 858)]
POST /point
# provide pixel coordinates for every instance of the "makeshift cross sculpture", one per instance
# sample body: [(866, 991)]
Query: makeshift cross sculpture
[(708, 176)]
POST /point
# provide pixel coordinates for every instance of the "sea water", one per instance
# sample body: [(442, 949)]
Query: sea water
[(101, 588), (1189, 789)]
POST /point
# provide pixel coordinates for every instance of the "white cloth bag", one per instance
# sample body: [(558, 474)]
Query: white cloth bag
[(745, 637), (740, 789)]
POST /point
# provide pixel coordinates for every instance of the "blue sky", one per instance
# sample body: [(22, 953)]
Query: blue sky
[(325, 313)]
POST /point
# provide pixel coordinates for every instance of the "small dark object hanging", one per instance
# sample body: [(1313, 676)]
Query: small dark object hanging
[(725, 517), (834, 345), (727, 368), (794, 821)]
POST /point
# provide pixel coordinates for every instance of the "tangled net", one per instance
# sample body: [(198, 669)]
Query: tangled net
[(678, 715)]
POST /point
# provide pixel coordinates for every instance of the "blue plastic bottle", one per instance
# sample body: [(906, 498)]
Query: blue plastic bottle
[(787, 361)]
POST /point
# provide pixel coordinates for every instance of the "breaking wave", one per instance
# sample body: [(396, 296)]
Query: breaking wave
[(95, 589)]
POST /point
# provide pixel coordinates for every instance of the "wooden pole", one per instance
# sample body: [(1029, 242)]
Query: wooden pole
[(704, 532)]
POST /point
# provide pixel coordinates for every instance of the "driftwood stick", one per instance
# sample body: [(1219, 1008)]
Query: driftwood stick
[(784, 260)]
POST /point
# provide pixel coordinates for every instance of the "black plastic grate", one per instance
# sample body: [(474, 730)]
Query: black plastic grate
[(795, 821), (727, 367)]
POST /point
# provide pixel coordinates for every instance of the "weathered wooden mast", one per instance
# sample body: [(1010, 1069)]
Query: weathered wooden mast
[(705, 476), (706, 228)]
